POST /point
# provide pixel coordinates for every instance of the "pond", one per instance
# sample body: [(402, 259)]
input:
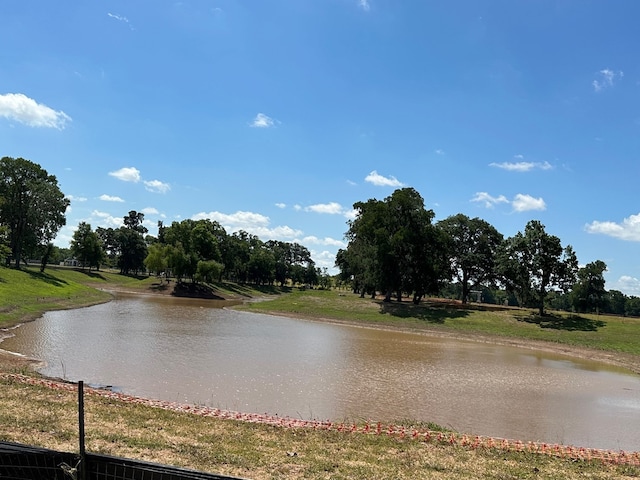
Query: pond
[(190, 351)]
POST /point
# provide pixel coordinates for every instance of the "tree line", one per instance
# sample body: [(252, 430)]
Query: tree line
[(195, 250), (395, 248), (32, 211)]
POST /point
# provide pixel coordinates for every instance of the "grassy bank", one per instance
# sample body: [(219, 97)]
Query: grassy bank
[(39, 415)]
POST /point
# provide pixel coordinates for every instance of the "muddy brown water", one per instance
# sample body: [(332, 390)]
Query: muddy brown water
[(196, 352)]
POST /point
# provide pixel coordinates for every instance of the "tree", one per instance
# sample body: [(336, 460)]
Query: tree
[(110, 246), (473, 244), (615, 302), (393, 247), (156, 259), (589, 293), (533, 263), (86, 246), (208, 271), (5, 249), (130, 242), (32, 206)]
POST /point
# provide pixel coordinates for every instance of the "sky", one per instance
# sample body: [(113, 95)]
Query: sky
[(276, 116)]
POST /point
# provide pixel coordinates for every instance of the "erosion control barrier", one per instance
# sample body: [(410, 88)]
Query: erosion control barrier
[(368, 428)]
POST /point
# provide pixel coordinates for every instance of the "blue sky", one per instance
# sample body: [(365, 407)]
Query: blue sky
[(276, 116)]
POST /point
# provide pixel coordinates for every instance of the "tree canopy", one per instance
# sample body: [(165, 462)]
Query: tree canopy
[(473, 244), (32, 207), (533, 263)]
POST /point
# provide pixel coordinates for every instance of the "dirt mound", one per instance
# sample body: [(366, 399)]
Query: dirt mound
[(194, 290)]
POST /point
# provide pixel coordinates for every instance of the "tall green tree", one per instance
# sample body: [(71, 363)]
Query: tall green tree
[(473, 244), (32, 207), (86, 246), (532, 263), (588, 293), (131, 244), (394, 248)]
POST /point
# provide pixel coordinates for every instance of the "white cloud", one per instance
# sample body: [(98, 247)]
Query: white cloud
[(328, 241), (127, 174), (522, 166), (110, 198), (325, 259), (150, 211), (263, 121), (628, 229), (439, 151), (364, 5), (488, 200), (524, 203), (332, 208), (105, 220), (297, 208), (250, 222), (378, 180), (627, 285), (19, 107), (606, 79), (76, 199), (350, 214), (156, 186), (520, 203), (352, 183), (281, 205)]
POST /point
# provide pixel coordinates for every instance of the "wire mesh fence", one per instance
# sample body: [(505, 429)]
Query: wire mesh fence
[(23, 462)]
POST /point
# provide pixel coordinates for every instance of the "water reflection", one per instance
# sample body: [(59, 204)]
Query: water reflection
[(184, 350)]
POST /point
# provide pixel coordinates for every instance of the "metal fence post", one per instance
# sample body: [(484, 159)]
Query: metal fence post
[(82, 465)]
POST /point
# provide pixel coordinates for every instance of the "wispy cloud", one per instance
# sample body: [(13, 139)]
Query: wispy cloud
[(380, 181), (127, 174), (110, 198), (25, 110), (281, 205), (439, 151), (156, 186), (73, 198), (263, 121), (364, 5), (150, 211), (522, 166), (606, 78), (628, 229), (120, 18), (520, 203)]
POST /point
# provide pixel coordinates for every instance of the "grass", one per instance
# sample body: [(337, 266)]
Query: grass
[(607, 333), (37, 415)]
